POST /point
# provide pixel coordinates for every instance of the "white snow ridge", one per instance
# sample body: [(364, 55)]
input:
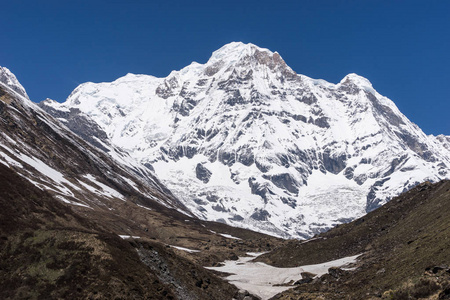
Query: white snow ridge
[(243, 139)]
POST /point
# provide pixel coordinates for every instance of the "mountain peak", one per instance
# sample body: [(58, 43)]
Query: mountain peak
[(9, 79), (237, 49), (356, 79), (249, 56), (48, 100)]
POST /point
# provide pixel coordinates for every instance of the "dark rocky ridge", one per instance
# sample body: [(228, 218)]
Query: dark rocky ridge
[(80, 124)]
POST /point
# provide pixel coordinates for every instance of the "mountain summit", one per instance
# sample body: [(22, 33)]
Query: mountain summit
[(10, 80), (245, 140)]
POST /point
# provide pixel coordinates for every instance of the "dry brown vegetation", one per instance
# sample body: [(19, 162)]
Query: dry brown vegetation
[(400, 242), (50, 251)]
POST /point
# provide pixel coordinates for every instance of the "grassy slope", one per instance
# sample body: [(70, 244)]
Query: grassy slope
[(48, 251), (399, 241)]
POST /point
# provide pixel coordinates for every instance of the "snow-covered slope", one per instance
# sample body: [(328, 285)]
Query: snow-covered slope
[(443, 140), (10, 80), (245, 140), (45, 152)]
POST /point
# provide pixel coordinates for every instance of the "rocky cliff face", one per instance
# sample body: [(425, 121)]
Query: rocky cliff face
[(245, 140)]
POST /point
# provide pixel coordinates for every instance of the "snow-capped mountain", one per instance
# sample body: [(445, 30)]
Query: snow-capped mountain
[(243, 139)]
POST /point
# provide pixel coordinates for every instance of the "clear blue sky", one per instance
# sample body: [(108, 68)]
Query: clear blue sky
[(402, 47)]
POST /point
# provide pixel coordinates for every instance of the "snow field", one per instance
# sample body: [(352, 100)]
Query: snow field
[(260, 279)]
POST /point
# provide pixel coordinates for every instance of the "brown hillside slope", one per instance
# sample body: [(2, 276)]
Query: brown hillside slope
[(399, 241), (49, 252)]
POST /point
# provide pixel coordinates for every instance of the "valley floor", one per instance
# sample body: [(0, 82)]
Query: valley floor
[(266, 281)]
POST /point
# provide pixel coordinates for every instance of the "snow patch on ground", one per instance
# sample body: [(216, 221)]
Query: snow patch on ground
[(259, 278), (51, 173), (71, 202), (13, 142), (130, 182), (10, 161), (144, 207), (106, 190), (124, 236), (228, 236), (185, 249)]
